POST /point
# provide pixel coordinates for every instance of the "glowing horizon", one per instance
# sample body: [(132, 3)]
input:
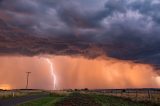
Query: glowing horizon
[(77, 72), (5, 87)]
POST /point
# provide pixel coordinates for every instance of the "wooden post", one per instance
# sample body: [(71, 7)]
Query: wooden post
[(136, 95), (121, 93), (13, 94), (149, 95), (128, 93)]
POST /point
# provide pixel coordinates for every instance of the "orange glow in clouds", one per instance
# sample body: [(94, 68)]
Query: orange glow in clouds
[(104, 73), (76, 72)]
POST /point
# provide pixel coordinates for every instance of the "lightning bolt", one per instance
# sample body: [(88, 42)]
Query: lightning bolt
[(52, 72)]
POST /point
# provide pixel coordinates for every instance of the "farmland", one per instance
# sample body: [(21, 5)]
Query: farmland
[(85, 97), (7, 94), (137, 95)]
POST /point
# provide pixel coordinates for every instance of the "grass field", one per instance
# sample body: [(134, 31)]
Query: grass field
[(46, 101), (136, 95), (155, 98), (18, 93), (85, 99), (11, 94), (50, 100), (105, 100)]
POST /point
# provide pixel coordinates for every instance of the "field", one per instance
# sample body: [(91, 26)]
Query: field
[(50, 100), (7, 94), (92, 98), (138, 95), (96, 98)]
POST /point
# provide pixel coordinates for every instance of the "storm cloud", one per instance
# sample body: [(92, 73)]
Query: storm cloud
[(122, 29)]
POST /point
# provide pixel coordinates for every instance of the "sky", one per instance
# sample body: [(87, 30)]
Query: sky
[(91, 43)]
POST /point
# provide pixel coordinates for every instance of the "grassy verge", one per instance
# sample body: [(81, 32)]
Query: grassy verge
[(85, 99), (77, 99), (118, 101), (9, 94), (45, 101), (18, 93)]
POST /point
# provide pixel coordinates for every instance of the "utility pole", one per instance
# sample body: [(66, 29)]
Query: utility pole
[(27, 79)]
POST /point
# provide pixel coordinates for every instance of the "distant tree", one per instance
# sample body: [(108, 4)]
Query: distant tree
[(123, 90), (75, 89), (86, 89)]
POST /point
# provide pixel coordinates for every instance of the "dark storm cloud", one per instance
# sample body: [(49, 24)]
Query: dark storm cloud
[(123, 29)]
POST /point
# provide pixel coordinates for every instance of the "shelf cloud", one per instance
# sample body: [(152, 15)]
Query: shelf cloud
[(121, 29)]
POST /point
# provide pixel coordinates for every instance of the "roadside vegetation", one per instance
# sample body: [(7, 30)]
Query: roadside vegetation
[(138, 97), (106, 100), (85, 99), (50, 100), (11, 94), (18, 93)]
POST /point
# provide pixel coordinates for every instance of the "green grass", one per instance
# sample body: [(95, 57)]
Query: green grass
[(77, 99), (45, 101), (81, 98), (105, 100)]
